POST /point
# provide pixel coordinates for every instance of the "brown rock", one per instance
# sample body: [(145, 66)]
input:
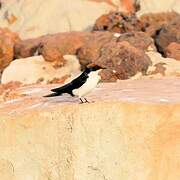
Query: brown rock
[(52, 47), (120, 22), (51, 54), (173, 51), (7, 40), (167, 34), (12, 35), (6, 52), (123, 59), (26, 48), (107, 75), (90, 47), (151, 22), (91, 50), (140, 40)]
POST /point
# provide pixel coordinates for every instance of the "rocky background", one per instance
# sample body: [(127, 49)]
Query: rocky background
[(52, 41)]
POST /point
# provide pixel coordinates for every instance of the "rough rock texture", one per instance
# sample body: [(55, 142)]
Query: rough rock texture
[(36, 70), (7, 41), (173, 51), (26, 48), (110, 139), (139, 40), (119, 22), (91, 50), (167, 34), (109, 75), (52, 47), (89, 47), (123, 59), (152, 22)]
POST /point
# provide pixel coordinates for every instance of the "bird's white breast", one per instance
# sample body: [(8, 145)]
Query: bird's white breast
[(89, 85)]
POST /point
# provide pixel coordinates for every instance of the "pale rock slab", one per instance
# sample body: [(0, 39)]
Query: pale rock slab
[(35, 18), (32, 69), (132, 131), (154, 6)]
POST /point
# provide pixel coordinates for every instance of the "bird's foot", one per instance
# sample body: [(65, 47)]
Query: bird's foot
[(86, 101), (83, 101)]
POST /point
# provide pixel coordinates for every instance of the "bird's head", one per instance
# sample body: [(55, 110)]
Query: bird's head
[(94, 67)]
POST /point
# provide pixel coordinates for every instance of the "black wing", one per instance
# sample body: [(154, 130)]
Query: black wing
[(62, 88), (51, 95), (74, 84)]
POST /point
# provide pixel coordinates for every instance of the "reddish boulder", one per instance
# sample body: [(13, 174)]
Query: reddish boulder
[(26, 48), (139, 40), (151, 22), (120, 22), (107, 75), (173, 51), (167, 34), (91, 50), (123, 60), (52, 47), (12, 35), (7, 40), (51, 54)]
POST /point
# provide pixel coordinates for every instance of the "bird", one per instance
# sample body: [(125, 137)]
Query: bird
[(82, 85)]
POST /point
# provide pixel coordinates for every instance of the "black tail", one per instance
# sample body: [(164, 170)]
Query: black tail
[(52, 95)]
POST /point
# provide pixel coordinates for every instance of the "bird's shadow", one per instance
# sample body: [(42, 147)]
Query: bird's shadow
[(64, 99)]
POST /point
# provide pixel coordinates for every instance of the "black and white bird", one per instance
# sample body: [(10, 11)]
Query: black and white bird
[(82, 85)]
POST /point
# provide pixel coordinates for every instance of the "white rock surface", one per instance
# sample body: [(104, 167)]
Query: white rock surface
[(130, 132), (159, 6), (30, 70), (35, 18), (172, 66)]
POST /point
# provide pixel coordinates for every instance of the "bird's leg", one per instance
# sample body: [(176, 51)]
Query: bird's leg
[(86, 101), (81, 101)]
